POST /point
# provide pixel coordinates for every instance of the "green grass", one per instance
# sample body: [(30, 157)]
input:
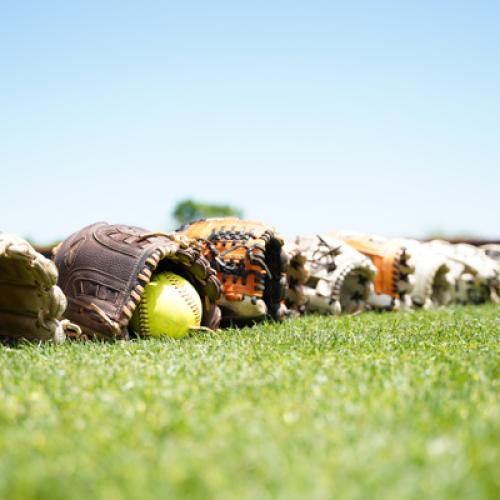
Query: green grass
[(396, 405)]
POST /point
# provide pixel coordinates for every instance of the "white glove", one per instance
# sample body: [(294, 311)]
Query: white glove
[(327, 276), (475, 275), (432, 285)]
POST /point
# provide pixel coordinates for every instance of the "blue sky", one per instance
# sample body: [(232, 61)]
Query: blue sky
[(311, 116)]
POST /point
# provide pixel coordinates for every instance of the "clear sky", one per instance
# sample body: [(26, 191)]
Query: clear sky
[(313, 115)]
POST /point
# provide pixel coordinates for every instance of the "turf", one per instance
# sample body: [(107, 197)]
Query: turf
[(396, 405)]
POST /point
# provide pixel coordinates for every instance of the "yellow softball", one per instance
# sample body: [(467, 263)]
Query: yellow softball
[(170, 306)]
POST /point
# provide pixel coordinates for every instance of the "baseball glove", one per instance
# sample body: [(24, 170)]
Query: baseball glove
[(327, 276), (493, 252), (474, 273), (487, 270), (393, 282), (250, 263), (103, 269), (31, 305), (433, 285)]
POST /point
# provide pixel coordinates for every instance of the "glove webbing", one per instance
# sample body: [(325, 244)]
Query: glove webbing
[(247, 268), (328, 254)]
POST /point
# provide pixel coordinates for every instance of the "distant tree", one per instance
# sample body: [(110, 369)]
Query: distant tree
[(189, 210)]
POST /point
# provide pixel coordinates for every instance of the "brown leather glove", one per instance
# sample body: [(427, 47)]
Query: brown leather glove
[(251, 264), (103, 269)]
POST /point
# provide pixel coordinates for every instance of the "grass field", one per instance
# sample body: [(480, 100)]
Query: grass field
[(396, 405)]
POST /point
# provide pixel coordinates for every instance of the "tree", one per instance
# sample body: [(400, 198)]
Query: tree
[(189, 210)]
